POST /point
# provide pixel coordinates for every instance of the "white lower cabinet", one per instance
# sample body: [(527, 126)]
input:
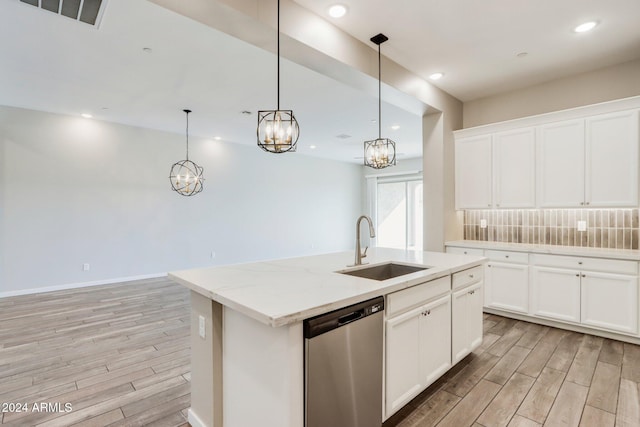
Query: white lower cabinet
[(507, 283), (606, 299), (610, 301), (555, 293), (403, 359), (466, 321), (418, 340), (418, 351)]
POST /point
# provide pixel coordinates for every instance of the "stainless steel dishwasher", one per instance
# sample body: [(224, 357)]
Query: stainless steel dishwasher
[(343, 366)]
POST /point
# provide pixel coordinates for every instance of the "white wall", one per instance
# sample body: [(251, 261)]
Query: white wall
[(82, 191), (606, 84)]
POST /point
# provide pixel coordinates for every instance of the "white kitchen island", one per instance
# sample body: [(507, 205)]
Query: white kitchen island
[(248, 370)]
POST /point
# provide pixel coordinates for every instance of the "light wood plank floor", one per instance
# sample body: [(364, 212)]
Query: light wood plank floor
[(120, 355), (528, 375)]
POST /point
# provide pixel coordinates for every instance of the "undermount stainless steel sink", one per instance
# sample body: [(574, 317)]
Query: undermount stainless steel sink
[(384, 271)]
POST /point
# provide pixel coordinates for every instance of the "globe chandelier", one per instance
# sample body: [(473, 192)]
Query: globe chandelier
[(186, 176)]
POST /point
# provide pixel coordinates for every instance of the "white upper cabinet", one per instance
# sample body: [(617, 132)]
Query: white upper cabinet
[(473, 172), (582, 157), (611, 174), (560, 162), (514, 169)]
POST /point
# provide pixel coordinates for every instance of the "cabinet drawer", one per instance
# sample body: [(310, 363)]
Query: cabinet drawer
[(415, 296), (591, 264), (465, 251), (467, 277), (506, 256)]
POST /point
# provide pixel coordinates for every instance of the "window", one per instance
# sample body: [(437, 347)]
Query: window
[(398, 211)]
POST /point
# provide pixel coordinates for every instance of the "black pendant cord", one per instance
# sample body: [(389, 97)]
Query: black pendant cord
[(379, 96), (278, 56), (187, 111)]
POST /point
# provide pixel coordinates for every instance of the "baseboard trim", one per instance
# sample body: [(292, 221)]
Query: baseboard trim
[(194, 420), (80, 285), (567, 326)]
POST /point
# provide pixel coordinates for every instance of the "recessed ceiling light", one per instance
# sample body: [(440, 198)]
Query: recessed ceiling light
[(395, 127), (86, 115), (313, 147), (587, 26), (337, 11), (436, 76), (217, 138)]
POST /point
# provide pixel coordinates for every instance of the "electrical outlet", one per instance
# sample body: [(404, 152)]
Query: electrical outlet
[(86, 267), (483, 223), (582, 225), (201, 328)]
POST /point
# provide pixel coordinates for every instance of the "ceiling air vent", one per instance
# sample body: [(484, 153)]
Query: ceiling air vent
[(343, 136), (88, 11)]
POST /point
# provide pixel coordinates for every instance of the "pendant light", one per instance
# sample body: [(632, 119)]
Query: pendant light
[(186, 177), (278, 129), (379, 153)]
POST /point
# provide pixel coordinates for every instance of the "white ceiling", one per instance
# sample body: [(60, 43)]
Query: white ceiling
[(53, 63), (475, 42)]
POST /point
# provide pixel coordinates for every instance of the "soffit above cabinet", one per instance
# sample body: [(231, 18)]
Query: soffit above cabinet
[(555, 116)]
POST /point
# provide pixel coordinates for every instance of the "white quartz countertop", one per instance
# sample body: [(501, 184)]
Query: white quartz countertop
[(624, 254), (285, 291)]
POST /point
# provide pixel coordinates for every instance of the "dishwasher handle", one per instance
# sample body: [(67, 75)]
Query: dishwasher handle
[(327, 322), (351, 317)]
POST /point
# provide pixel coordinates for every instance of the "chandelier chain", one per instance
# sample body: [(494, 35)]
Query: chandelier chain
[(379, 95), (278, 25)]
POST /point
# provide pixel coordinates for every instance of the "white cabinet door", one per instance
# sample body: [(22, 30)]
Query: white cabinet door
[(612, 159), (404, 363), (474, 315), (514, 173), (435, 339), (473, 172), (560, 164), (507, 287), (610, 301), (555, 293), (466, 321)]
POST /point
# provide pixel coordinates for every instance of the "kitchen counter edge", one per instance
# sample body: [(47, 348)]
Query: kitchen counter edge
[(621, 254), (297, 315)]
